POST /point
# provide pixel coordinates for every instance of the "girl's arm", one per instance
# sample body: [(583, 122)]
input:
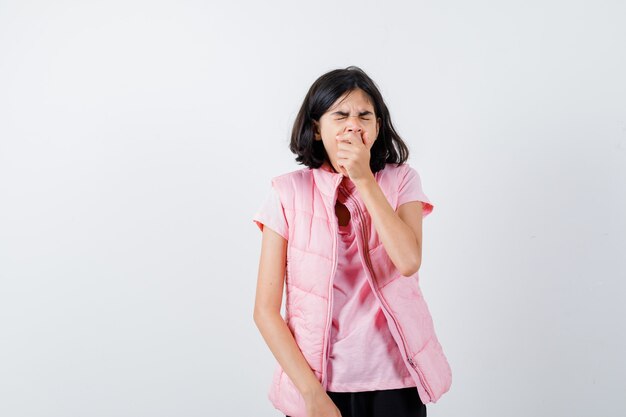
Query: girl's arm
[(271, 324), (400, 232)]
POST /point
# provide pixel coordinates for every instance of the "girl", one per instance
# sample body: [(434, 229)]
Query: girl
[(345, 236)]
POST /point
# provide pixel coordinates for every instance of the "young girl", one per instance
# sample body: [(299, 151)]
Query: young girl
[(344, 235)]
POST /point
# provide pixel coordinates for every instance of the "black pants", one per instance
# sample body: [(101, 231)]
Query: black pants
[(402, 402)]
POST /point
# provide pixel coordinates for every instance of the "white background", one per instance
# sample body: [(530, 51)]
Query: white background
[(137, 139)]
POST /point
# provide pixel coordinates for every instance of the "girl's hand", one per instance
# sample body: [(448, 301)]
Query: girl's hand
[(353, 155), (321, 405)]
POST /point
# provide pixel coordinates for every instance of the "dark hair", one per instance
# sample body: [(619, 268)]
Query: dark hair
[(388, 147)]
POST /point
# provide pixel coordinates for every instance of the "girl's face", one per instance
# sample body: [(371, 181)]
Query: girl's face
[(354, 112)]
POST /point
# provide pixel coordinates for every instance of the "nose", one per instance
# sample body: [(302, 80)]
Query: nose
[(353, 124)]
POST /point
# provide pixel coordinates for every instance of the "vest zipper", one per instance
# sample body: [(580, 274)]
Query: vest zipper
[(327, 330), (383, 302)]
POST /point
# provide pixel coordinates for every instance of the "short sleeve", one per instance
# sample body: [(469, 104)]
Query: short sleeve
[(272, 214), (411, 190)]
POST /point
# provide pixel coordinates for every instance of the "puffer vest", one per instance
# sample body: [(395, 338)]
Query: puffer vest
[(308, 197)]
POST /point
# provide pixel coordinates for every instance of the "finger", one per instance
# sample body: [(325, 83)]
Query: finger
[(342, 160), (359, 140), (344, 146), (342, 169), (345, 157), (350, 136), (344, 138), (366, 138), (346, 152)]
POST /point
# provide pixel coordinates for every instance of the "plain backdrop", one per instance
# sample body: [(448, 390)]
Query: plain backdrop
[(138, 138)]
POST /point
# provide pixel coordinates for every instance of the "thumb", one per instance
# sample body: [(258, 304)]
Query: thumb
[(366, 139)]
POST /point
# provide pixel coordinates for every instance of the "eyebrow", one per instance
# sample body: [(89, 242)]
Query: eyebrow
[(342, 113)]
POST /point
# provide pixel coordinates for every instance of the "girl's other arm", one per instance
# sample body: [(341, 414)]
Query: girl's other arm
[(400, 231), (274, 330)]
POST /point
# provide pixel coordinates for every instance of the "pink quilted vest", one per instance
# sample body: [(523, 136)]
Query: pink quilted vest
[(308, 197)]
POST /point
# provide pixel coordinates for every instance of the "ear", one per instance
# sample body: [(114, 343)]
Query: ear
[(316, 129)]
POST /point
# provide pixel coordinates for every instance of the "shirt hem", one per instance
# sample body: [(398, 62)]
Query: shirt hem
[(371, 386)]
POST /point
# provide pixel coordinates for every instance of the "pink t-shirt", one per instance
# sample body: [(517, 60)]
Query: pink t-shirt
[(363, 355)]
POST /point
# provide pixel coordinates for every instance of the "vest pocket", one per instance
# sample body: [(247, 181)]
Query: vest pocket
[(435, 368), (289, 400)]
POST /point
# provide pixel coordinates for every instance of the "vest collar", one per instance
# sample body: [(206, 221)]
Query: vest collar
[(327, 180)]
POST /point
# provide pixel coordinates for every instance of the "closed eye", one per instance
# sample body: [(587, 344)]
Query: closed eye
[(364, 115)]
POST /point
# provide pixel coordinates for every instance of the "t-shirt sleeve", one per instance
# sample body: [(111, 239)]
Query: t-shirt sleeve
[(411, 190), (272, 214)]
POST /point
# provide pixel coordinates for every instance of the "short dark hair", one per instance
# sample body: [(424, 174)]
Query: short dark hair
[(388, 147)]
